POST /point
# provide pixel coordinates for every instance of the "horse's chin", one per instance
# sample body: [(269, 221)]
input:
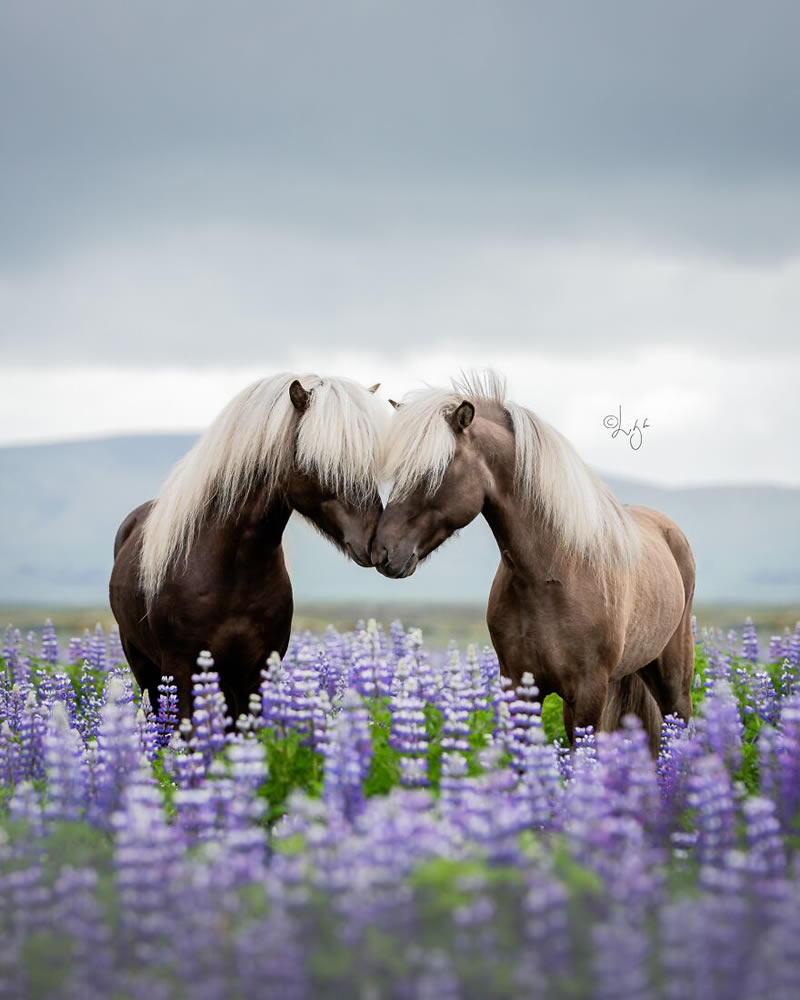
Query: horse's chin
[(399, 572), (359, 556)]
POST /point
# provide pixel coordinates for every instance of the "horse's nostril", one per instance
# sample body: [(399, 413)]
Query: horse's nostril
[(379, 556)]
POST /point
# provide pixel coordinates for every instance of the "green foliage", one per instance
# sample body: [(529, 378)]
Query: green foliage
[(292, 765), (384, 769), (700, 670), (553, 719), (433, 727)]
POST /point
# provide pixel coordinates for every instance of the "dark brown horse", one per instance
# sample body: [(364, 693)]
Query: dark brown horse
[(592, 597), (202, 566)]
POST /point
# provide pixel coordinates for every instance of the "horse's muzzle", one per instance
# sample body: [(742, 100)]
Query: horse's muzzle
[(387, 566)]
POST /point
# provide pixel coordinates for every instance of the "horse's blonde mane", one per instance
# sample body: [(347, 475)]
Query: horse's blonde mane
[(254, 442), (550, 477)]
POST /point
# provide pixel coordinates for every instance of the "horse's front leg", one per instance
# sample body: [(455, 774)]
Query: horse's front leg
[(583, 706)]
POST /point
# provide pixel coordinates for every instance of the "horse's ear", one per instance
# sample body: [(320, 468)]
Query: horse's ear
[(395, 404), (299, 396), (462, 416), (374, 388)]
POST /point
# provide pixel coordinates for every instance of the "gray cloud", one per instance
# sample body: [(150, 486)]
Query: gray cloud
[(412, 173)]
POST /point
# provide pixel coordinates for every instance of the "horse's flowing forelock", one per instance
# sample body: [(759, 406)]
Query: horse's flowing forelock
[(421, 443), (550, 477), (254, 442)]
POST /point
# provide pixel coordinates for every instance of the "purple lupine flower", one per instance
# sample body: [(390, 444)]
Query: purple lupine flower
[(147, 725), (628, 773), (764, 697), (348, 754), (8, 755), (275, 698), (503, 694), (45, 688), (89, 703), (78, 913), (186, 766), (98, 655), (775, 653), (25, 806), (494, 817), (327, 673), (119, 758), (678, 751), (540, 783), (434, 978), (116, 654), (766, 856), (30, 732), (335, 663), (16, 660), (320, 713), (526, 719), (366, 662), (786, 768), (451, 783), (75, 654), (63, 691), (12, 640), (750, 641), (209, 717), (49, 644), (774, 960), (788, 681), (409, 734), (398, 637), (720, 728), (546, 956), (167, 714), (32, 647), (685, 950), (455, 705), (719, 668), (793, 652), (612, 978), (475, 690), (710, 797), (148, 876), (303, 688), (65, 767)]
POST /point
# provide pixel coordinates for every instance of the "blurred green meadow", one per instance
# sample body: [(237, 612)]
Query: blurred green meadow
[(441, 623)]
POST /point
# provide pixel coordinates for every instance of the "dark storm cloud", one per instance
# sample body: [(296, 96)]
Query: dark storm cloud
[(388, 126)]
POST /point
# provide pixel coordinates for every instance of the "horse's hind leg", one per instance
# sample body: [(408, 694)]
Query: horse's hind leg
[(670, 675)]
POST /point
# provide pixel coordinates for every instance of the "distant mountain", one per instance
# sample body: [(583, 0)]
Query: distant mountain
[(61, 504)]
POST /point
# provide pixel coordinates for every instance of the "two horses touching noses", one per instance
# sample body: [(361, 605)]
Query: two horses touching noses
[(592, 597)]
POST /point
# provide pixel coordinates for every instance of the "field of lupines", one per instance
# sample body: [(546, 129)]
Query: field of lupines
[(393, 823)]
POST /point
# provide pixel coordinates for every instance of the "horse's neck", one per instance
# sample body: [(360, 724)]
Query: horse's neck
[(527, 543), (263, 518)]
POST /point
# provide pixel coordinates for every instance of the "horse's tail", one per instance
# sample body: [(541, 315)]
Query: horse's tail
[(631, 695)]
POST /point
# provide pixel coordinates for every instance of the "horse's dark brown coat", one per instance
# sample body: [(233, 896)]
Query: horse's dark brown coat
[(232, 594)]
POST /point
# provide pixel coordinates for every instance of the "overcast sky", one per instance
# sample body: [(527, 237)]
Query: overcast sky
[(600, 199)]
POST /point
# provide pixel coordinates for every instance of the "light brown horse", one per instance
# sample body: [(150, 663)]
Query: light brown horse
[(202, 566), (592, 597)]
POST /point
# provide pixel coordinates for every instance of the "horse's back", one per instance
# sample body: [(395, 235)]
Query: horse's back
[(655, 523), (134, 520)]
